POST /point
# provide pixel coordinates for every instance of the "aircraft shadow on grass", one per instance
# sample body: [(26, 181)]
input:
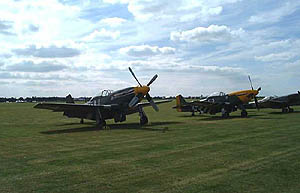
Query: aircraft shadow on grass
[(125, 126), (218, 118), (281, 113)]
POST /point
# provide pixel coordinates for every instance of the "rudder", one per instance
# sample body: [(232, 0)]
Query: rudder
[(69, 99)]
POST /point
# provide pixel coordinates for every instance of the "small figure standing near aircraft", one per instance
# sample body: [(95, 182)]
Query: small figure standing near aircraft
[(220, 102), (109, 105), (282, 102)]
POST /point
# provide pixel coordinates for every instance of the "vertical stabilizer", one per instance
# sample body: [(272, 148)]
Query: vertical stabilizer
[(69, 99), (180, 102)]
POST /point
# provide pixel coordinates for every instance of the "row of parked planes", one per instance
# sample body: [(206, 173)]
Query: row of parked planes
[(116, 105)]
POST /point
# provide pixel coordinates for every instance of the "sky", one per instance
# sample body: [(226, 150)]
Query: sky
[(57, 47)]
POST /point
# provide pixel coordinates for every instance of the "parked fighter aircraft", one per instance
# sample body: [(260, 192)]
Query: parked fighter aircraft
[(275, 102), (109, 105), (219, 102)]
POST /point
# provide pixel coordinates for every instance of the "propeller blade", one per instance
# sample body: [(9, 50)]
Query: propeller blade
[(250, 81), (298, 92), (152, 103), (152, 80), (134, 76), (256, 103), (134, 101), (259, 89)]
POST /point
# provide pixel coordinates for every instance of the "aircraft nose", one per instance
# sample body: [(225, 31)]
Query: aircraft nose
[(257, 91), (141, 90)]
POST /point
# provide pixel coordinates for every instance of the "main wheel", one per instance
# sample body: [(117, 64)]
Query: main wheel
[(244, 114), (101, 124), (225, 115), (143, 120), (291, 110)]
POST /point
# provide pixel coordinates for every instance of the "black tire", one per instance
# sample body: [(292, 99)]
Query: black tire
[(225, 115), (285, 110), (101, 124), (143, 120), (81, 121), (244, 114), (291, 110)]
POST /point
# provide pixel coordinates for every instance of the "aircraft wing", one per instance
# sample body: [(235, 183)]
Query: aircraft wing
[(267, 104), (278, 104), (145, 104), (61, 107), (207, 106)]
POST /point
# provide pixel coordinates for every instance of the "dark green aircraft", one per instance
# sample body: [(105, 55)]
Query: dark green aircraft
[(219, 102), (282, 102), (109, 105)]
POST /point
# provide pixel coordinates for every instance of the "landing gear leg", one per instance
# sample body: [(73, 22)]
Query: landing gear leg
[(193, 111), (143, 117), (81, 121), (244, 113), (99, 121)]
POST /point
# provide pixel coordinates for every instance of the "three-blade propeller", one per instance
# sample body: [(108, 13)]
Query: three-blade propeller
[(139, 96), (255, 99)]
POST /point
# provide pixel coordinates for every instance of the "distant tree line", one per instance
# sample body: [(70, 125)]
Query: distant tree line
[(35, 99), (40, 99)]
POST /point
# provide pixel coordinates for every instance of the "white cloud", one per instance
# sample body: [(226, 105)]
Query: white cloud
[(116, 1), (113, 21), (213, 33), (103, 33), (276, 14), (47, 52), (146, 50), (6, 27), (30, 66), (183, 10), (284, 56)]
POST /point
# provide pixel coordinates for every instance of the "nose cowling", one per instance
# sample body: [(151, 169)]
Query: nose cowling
[(141, 90)]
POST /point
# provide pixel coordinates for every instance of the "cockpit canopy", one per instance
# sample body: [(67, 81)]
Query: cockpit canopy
[(268, 98), (217, 94), (103, 93), (106, 93)]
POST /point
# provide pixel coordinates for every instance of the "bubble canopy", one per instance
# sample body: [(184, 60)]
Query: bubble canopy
[(104, 93), (216, 94)]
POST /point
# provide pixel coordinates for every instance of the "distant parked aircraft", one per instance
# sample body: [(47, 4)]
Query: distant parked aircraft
[(219, 102), (283, 102)]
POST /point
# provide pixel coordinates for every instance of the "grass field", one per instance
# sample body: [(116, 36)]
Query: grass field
[(42, 151)]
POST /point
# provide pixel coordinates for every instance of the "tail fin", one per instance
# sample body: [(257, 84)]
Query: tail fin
[(69, 99), (180, 102)]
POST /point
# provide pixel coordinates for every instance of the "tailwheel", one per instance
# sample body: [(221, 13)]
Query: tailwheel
[(285, 110), (244, 113), (225, 114), (143, 120), (290, 110)]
